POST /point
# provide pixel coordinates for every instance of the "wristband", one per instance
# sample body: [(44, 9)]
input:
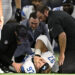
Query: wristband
[(37, 55), (37, 52)]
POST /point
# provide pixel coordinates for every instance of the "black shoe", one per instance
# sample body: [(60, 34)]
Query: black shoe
[(5, 69)]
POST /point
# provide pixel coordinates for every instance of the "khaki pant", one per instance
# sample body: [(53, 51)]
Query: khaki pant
[(7, 10)]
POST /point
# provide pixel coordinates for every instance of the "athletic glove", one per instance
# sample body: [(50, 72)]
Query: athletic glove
[(18, 15)]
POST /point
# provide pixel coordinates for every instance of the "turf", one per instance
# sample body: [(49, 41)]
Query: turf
[(32, 74)]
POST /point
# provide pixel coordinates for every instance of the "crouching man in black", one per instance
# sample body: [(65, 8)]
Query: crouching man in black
[(13, 39)]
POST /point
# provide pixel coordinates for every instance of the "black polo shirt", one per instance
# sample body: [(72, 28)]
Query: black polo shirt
[(7, 44), (59, 22)]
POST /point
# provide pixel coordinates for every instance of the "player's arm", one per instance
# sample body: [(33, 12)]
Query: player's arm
[(62, 45), (40, 47), (1, 15), (18, 4)]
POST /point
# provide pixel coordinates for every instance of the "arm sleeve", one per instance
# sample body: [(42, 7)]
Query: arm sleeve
[(22, 49), (55, 27)]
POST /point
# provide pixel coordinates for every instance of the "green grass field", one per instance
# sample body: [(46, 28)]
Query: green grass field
[(32, 74)]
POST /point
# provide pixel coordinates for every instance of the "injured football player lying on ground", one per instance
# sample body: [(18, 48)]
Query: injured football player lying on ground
[(42, 60)]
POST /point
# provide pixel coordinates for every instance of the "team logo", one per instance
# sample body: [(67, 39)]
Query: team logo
[(6, 42)]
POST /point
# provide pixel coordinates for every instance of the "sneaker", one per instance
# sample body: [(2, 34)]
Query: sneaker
[(5, 69), (1, 71)]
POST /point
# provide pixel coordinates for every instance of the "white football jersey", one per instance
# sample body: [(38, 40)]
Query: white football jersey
[(26, 11), (49, 58), (28, 66)]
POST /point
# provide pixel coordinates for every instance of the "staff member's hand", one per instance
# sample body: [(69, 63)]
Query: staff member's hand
[(18, 15), (17, 66), (61, 59), (1, 22)]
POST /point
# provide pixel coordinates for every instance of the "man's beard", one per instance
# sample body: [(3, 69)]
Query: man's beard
[(46, 20)]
